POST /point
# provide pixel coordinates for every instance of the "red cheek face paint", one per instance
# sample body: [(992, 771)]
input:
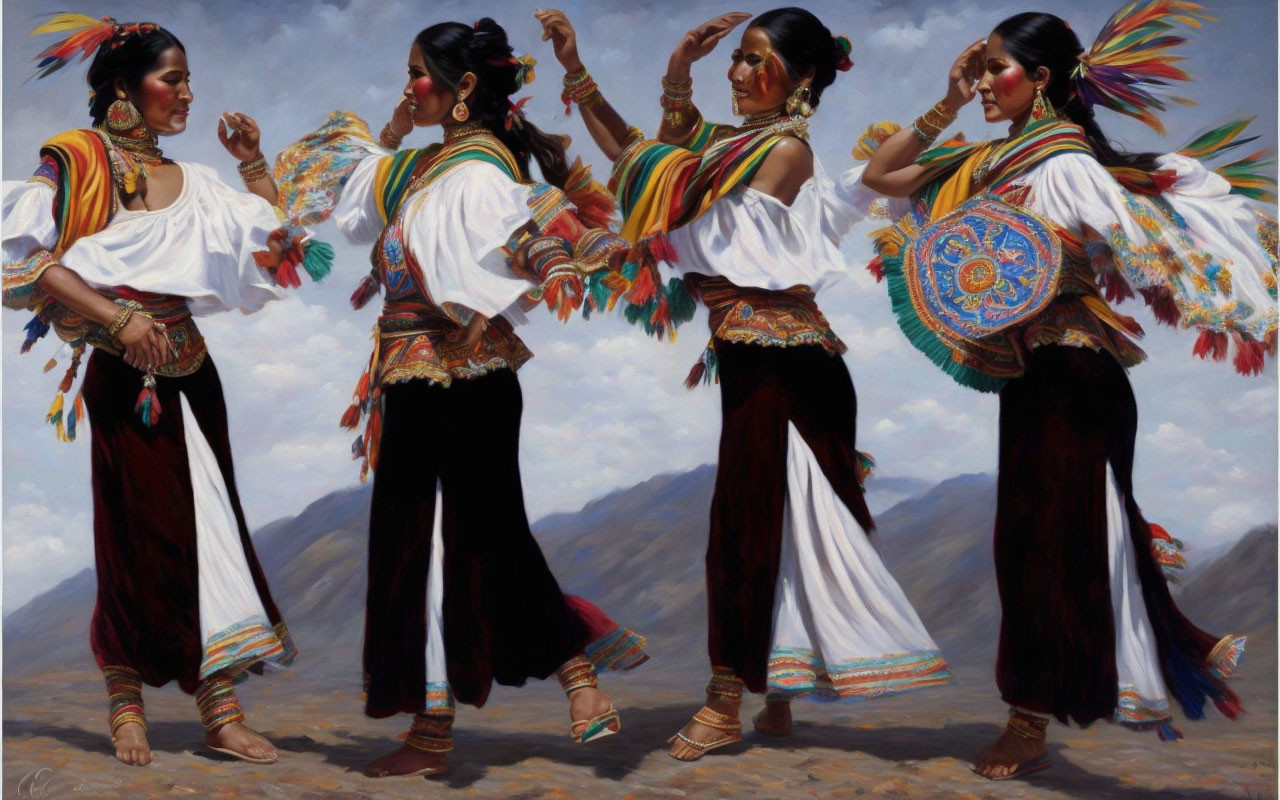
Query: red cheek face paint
[(422, 88), (156, 94), (1008, 82)]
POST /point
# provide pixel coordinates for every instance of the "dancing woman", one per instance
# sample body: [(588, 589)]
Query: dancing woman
[(800, 605), (1004, 272), (459, 593), (116, 246)]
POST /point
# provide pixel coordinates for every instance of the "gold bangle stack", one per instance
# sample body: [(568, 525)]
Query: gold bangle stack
[(929, 125), (389, 138), (677, 98), (252, 171), (122, 317), (580, 88)]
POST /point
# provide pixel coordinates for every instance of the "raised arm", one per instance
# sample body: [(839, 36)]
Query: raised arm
[(242, 140), (892, 169), (679, 114), (609, 130)]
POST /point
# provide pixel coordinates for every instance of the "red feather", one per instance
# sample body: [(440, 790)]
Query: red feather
[(1162, 304), (1250, 354), (1211, 344), (876, 268)]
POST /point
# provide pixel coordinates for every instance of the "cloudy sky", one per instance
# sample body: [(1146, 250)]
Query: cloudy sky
[(605, 406)]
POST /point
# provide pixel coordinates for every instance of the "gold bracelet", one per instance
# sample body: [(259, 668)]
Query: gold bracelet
[(252, 171), (929, 125), (122, 317), (389, 138)]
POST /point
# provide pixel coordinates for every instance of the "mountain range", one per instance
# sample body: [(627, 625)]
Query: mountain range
[(638, 554)]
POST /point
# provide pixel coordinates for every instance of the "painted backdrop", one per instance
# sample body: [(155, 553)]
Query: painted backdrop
[(605, 406)]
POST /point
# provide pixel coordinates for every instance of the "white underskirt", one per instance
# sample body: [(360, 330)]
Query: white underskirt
[(1144, 698), (842, 627), (233, 623), (438, 694)]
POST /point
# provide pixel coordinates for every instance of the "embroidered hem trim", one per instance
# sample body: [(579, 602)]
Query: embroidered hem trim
[(1225, 656), (238, 646), (619, 651), (1135, 711), (439, 698), (800, 673)]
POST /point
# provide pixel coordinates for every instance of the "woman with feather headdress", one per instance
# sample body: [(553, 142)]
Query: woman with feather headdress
[(1004, 268), (115, 246)]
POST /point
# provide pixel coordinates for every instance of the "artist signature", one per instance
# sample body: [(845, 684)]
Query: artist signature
[(36, 783)]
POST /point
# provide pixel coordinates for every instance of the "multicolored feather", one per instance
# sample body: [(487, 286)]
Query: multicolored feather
[(1218, 141), (86, 36), (1131, 57), (1247, 176)]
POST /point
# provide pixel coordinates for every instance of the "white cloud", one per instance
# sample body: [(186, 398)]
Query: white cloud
[(604, 405), (901, 36)]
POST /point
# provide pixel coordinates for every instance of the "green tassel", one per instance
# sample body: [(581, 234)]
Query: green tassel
[(924, 339), (680, 301), (317, 259)]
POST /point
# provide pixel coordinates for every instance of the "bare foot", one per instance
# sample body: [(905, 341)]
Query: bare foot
[(774, 719), (237, 740), (407, 762), (131, 744), (1007, 754), (696, 731)]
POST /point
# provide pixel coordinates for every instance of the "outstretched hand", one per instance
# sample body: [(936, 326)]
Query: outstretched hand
[(564, 40), (700, 41), (242, 138)]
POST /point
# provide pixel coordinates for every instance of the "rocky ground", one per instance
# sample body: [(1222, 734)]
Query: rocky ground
[(915, 746)]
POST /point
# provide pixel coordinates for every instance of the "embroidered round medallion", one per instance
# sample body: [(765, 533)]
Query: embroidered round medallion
[(982, 268)]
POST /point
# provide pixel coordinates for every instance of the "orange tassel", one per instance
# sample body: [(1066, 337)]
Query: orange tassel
[(644, 287), (351, 417)]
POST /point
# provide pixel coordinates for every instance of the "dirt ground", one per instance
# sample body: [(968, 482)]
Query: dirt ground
[(915, 746)]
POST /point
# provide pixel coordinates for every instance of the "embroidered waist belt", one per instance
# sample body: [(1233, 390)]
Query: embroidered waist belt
[(764, 317), (185, 340)]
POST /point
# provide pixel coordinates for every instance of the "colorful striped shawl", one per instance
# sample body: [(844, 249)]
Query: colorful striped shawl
[(958, 166), (408, 171), (85, 195), (661, 187)]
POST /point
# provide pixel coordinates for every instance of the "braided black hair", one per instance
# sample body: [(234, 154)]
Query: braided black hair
[(1037, 40), (451, 50)]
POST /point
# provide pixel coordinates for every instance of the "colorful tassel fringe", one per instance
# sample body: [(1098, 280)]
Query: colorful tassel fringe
[(366, 291), (36, 328), (148, 405)]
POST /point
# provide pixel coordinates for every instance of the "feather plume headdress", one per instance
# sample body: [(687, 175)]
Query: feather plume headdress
[(85, 36), (1131, 57)]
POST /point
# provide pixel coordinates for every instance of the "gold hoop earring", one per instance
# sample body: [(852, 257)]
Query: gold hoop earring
[(123, 116), (798, 102), (460, 112), (1041, 108)]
